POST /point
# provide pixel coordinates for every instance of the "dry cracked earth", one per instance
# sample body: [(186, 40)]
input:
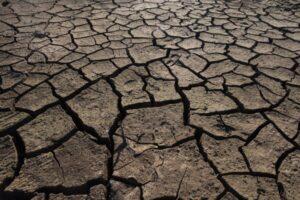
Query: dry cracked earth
[(149, 99)]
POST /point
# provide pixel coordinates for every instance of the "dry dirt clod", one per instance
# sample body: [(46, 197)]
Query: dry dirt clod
[(154, 99)]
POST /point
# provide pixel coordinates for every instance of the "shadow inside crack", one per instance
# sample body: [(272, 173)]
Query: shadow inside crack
[(15, 195)]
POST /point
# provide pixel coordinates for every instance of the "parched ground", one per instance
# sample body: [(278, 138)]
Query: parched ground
[(151, 99)]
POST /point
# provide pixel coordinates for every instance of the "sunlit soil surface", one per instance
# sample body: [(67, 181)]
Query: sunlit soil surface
[(149, 99)]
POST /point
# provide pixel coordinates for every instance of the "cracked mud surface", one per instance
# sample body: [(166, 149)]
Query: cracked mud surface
[(149, 99)]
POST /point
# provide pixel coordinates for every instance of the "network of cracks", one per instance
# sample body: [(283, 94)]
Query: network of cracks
[(150, 99)]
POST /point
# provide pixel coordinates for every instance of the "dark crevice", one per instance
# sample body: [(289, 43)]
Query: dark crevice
[(20, 149), (80, 189), (56, 144), (198, 135)]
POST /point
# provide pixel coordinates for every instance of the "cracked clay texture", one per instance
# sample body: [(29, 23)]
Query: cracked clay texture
[(149, 99)]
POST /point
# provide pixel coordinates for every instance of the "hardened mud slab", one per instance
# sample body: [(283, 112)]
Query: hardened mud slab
[(149, 99)]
